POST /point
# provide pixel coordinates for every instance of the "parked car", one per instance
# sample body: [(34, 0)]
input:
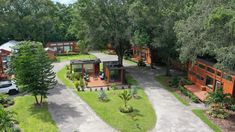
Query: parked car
[(9, 87)]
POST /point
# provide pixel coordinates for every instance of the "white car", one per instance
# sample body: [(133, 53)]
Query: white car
[(9, 87)]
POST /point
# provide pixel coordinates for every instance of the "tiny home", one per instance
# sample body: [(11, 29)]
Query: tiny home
[(141, 53), (90, 69), (50, 53), (207, 79), (63, 47)]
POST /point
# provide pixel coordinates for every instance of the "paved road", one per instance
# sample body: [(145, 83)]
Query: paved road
[(172, 115), (71, 113)]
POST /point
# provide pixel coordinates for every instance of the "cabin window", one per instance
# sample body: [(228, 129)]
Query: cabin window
[(227, 77), (218, 73), (209, 82), (201, 66), (210, 70)]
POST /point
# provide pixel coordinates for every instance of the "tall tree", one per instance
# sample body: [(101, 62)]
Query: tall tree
[(103, 21), (32, 69), (153, 23), (209, 31)]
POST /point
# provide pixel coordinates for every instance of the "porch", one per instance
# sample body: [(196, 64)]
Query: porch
[(201, 93)]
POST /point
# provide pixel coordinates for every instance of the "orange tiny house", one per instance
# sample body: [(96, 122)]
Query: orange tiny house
[(141, 53), (207, 78), (63, 47)]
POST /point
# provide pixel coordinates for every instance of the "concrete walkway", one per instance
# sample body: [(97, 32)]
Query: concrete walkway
[(172, 115), (70, 113)]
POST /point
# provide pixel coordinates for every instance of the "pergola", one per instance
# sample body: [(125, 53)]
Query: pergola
[(85, 66)]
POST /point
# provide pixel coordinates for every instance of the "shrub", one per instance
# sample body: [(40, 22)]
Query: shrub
[(114, 86), (183, 90), (76, 84), (175, 81), (68, 75), (232, 107), (5, 101), (184, 81), (219, 97), (102, 96), (141, 63), (82, 84), (134, 91), (125, 96), (217, 111), (127, 109), (7, 120), (194, 99), (68, 67)]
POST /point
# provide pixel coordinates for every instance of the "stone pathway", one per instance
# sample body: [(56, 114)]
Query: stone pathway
[(172, 115), (70, 113)]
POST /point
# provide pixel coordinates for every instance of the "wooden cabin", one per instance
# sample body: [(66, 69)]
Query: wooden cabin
[(50, 53), (114, 73), (207, 78), (63, 47), (141, 53)]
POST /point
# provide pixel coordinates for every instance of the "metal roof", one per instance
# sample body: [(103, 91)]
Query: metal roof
[(8, 45)]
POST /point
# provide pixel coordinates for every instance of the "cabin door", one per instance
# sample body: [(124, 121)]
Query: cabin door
[(217, 85)]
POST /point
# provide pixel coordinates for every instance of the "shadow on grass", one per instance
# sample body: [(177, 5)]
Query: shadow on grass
[(135, 114), (59, 112)]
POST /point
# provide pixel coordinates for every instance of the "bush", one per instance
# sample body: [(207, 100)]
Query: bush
[(218, 96), (175, 81), (127, 109), (68, 67), (141, 63), (217, 111), (184, 81), (183, 90), (68, 75), (114, 86), (76, 84), (82, 84), (232, 107), (134, 91), (5, 101), (194, 99), (189, 94), (102, 96)]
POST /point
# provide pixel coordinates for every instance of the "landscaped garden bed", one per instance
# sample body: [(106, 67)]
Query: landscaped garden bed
[(108, 105), (142, 119), (31, 117)]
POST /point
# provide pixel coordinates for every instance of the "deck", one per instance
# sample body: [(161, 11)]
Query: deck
[(95, 81), (197, 91)]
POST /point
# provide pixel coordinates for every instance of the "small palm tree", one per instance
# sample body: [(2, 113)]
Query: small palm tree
[(125, 96)]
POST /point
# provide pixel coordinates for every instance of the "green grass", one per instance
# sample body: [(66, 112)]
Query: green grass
[(130, 62), (141, 120), (202, 116), (32, 118), (73, 57), (130, 80), (62, 76), (163, 80)]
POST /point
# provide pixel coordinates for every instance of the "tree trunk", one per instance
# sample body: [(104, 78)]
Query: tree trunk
[(168, 73), (35, 96), (120, 59), (41, 100)]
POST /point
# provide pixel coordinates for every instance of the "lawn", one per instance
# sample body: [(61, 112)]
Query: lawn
[(130, 62), (130, 80), (62, 76), (141, 120), (73, 57), (32, 118), (202, 116), (163, 80)]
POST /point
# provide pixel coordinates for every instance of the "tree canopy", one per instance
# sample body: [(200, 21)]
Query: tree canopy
[(209, 31)]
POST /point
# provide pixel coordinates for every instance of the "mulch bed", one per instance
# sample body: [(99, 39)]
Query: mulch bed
[(226, 125)]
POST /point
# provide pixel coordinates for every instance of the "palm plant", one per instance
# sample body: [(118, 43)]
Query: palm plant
[(125, 96)]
